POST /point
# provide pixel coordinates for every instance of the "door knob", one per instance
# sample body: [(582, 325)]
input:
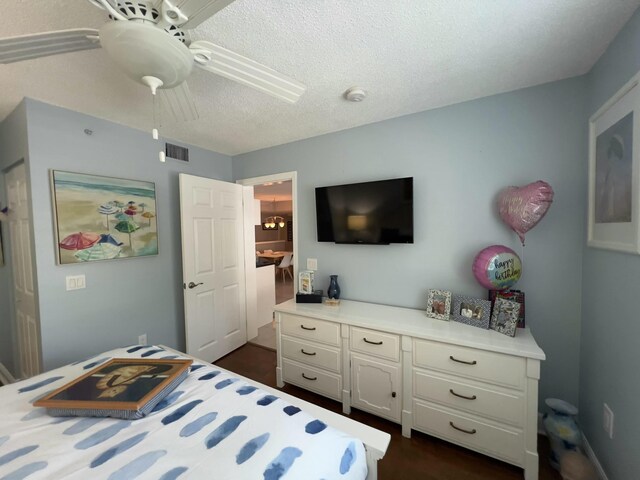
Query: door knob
[(194, 285)]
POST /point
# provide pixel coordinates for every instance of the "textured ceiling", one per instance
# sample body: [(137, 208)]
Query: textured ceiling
[(280, 192), (409, 55)]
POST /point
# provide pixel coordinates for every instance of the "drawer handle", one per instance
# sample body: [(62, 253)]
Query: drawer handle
[(372, 343), (473, 362), (473, 397), (307, 328), (307, 353), (309, 378), (470, 432)]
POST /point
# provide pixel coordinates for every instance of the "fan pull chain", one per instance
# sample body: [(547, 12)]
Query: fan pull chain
[(162, 156), (154, 130), (154, 83), (157, 123)]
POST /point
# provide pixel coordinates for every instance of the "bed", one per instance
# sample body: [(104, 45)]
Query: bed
[(215, 424)]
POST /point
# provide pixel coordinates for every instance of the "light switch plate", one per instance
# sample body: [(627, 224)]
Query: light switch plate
[(312, 264), (75, 282)]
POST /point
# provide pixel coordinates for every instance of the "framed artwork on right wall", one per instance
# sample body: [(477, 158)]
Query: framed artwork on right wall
[(614, 141)]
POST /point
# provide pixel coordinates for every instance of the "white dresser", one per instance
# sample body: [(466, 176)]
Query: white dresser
[(476, 388)]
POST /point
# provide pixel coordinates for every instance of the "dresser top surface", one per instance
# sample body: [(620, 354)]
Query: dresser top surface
[(415, 323)]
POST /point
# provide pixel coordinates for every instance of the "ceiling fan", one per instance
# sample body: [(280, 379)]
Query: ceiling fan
[(149, 41)]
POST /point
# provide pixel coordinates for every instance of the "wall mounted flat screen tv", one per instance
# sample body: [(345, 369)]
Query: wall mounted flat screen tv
[(373, 213)]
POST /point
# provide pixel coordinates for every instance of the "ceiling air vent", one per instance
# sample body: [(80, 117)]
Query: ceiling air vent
[(176, 152)]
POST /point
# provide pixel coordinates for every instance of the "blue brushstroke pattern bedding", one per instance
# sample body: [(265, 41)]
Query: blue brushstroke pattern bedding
[(214, 425)]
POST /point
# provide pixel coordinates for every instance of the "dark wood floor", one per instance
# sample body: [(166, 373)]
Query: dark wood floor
[(419, 457)]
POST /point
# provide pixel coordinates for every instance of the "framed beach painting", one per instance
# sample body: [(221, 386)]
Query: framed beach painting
[(103, 218), (614, 138)]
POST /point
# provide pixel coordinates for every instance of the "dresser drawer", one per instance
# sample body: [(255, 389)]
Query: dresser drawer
[(482, 365), (312, 354), (310, 328), (311, 378), (469, 431), (372, 342), (473, 398)]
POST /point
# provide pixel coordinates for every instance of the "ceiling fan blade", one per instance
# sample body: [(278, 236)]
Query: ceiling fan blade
[(25, 47), (247, 72), (178, 103), (197, 11)]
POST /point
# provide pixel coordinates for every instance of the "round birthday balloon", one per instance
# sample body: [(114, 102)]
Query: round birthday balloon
[(497, 267)]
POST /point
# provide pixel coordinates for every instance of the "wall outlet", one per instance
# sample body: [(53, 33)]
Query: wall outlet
[(75, 282), (142, 339), (312, 264), (607, 420)]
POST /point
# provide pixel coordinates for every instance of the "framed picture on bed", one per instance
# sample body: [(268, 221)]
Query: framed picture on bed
[(121, 388), (614, 133)]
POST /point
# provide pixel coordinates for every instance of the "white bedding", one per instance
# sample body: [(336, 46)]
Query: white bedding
[(213, 425)]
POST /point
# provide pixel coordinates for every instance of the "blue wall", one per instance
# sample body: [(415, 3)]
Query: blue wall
[(13, 148), (123, 298), (611, 288), (460, 157)]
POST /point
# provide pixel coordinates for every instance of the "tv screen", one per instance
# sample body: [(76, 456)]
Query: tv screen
[(376, 213)]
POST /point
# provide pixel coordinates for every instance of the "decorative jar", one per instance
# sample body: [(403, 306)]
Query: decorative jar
[(333, 292)]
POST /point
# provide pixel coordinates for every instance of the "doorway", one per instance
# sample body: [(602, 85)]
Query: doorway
[(276, 247), (24, 307)]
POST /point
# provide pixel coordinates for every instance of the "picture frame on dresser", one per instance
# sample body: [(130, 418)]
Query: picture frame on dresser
[(504, 318), (514, 296), (614, 131), (472, 311), (439, 304)]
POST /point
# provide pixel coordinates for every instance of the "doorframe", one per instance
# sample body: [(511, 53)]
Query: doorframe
[(250, 271)]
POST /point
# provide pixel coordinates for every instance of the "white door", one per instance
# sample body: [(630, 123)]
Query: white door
[(213, 266), (26, 320), (375, 387)]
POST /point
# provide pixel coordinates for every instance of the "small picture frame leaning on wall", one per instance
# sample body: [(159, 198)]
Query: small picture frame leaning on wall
[(126, 388), (471, 311), (439, 304), (504, 318)]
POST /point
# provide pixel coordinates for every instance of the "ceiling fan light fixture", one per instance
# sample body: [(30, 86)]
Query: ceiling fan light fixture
[(142, 50)]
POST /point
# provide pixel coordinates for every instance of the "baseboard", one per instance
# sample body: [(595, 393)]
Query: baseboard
[(592, 456), (5, 376)]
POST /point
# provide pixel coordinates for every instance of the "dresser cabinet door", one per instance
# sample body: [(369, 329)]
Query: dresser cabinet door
[(375, 386)]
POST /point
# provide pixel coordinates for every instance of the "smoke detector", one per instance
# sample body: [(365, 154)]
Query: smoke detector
[(355, 94)]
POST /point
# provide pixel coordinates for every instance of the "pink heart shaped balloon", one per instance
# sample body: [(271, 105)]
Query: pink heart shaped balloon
[(523, 207)]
